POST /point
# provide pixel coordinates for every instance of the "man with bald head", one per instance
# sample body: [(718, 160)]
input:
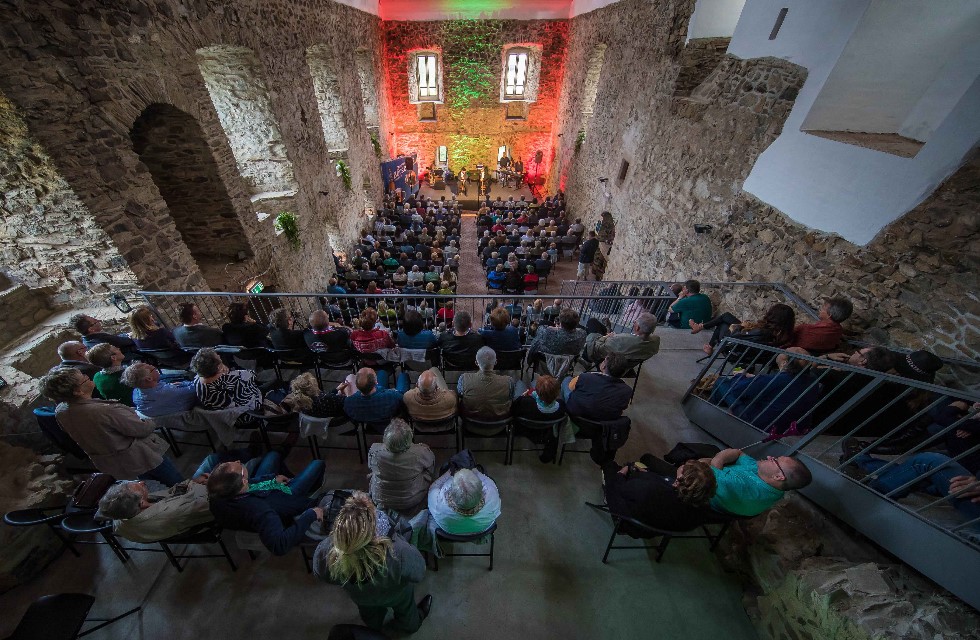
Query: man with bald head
[(324, 336), (72, 356), (432, 400), (372, 401)]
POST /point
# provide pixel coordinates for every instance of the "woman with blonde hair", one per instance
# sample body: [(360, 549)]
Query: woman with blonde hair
[(146, 333), (306, 397), (378, 573)]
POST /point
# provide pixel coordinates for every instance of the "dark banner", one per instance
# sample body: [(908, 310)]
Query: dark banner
[(397, 174)]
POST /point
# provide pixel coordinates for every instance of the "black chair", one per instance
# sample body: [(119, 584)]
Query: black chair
[(510, 361), (344, 360), (445, 427), (624, 525), (471, 537), (366, 429), (499, 428), (61, 617), (591, 429), (543, 275), (264, 359), (454, 362), (523, 426), (164, 358), (635, 367), (267, 423), (202, 534), (292, 359), (333, 424), (84, 523), (48, 423), (51, 517)]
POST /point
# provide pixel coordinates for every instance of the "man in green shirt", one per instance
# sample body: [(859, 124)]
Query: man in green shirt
[(747, 487), (691, 304)]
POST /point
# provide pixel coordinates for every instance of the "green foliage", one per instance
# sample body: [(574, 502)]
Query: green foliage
[(376, 143), (579, 140), (286, 222), (471, 57), (344, 171)]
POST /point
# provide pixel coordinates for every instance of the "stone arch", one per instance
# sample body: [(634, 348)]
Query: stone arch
[(172, 146)]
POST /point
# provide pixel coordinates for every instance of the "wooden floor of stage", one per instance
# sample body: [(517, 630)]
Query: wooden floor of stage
[(469, 200)]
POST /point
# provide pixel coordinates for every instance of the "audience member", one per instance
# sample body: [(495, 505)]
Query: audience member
[(586, 256), (306, 397), (773, 401), (674, 502), (465, 502), (147, 333), (567, 339), (153, 398), (241, 330), (413, 335), (283, 333), (274, 506), (400, 471), (431, 400), (73, 356), (690, 305), (825, 334), (113, 436), (775, 329), (141, 516), (485, 395), (92, 333), (599, 396), (638, 345), (108, 380), (324, 336), (219, 388), (378, 573), (462, 342), (193, 333), (500, 335), (747, 487), (369, 399)]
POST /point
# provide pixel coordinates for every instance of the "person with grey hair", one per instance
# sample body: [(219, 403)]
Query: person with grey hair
[(567, 339), (141, 516), (154, 398), (638, 345), (825, 334), (486, 395), (465, 502), (431, 400), (400, 471), (72, 354), (217, 387)]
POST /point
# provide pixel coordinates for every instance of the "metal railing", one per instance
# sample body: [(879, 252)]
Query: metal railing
[(615, 313), (961, 370), (874, 443)]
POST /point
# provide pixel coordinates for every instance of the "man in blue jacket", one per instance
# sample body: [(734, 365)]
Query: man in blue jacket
[(275, 507)]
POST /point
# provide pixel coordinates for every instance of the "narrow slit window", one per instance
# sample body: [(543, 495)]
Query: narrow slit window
[(779, 23), (516, 75), (427, 78)]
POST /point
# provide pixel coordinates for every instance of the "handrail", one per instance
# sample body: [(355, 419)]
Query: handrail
[(799, 413)]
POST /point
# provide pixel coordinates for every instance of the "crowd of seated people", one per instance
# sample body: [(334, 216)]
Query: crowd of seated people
[(518, 241)]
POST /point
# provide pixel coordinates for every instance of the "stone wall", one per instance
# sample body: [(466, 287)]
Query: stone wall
[(698, 59), (689, 157), (48, 238), (81, 77), (472, 121), (810, 578)]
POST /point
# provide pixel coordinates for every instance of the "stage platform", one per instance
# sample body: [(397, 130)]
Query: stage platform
[(469, 201)]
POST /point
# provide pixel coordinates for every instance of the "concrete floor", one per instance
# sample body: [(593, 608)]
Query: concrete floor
[(548, 580)]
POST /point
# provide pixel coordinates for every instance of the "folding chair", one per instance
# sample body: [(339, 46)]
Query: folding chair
[(203, 534), (61, 617), (84, 522), (314, 427), (624, 525), (333, 361), (523, 425), (444, 427), (475, 538), (454, 362), (511, 361), (499, 428), (48, 423)]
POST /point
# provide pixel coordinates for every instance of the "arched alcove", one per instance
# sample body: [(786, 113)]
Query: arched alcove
[(172, 146)]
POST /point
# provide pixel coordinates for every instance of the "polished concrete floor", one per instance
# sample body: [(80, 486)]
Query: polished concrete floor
[(547, 582)]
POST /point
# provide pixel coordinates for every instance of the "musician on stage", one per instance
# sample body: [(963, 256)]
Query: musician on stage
[(503, 169), (462, 178), (518, 173)]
